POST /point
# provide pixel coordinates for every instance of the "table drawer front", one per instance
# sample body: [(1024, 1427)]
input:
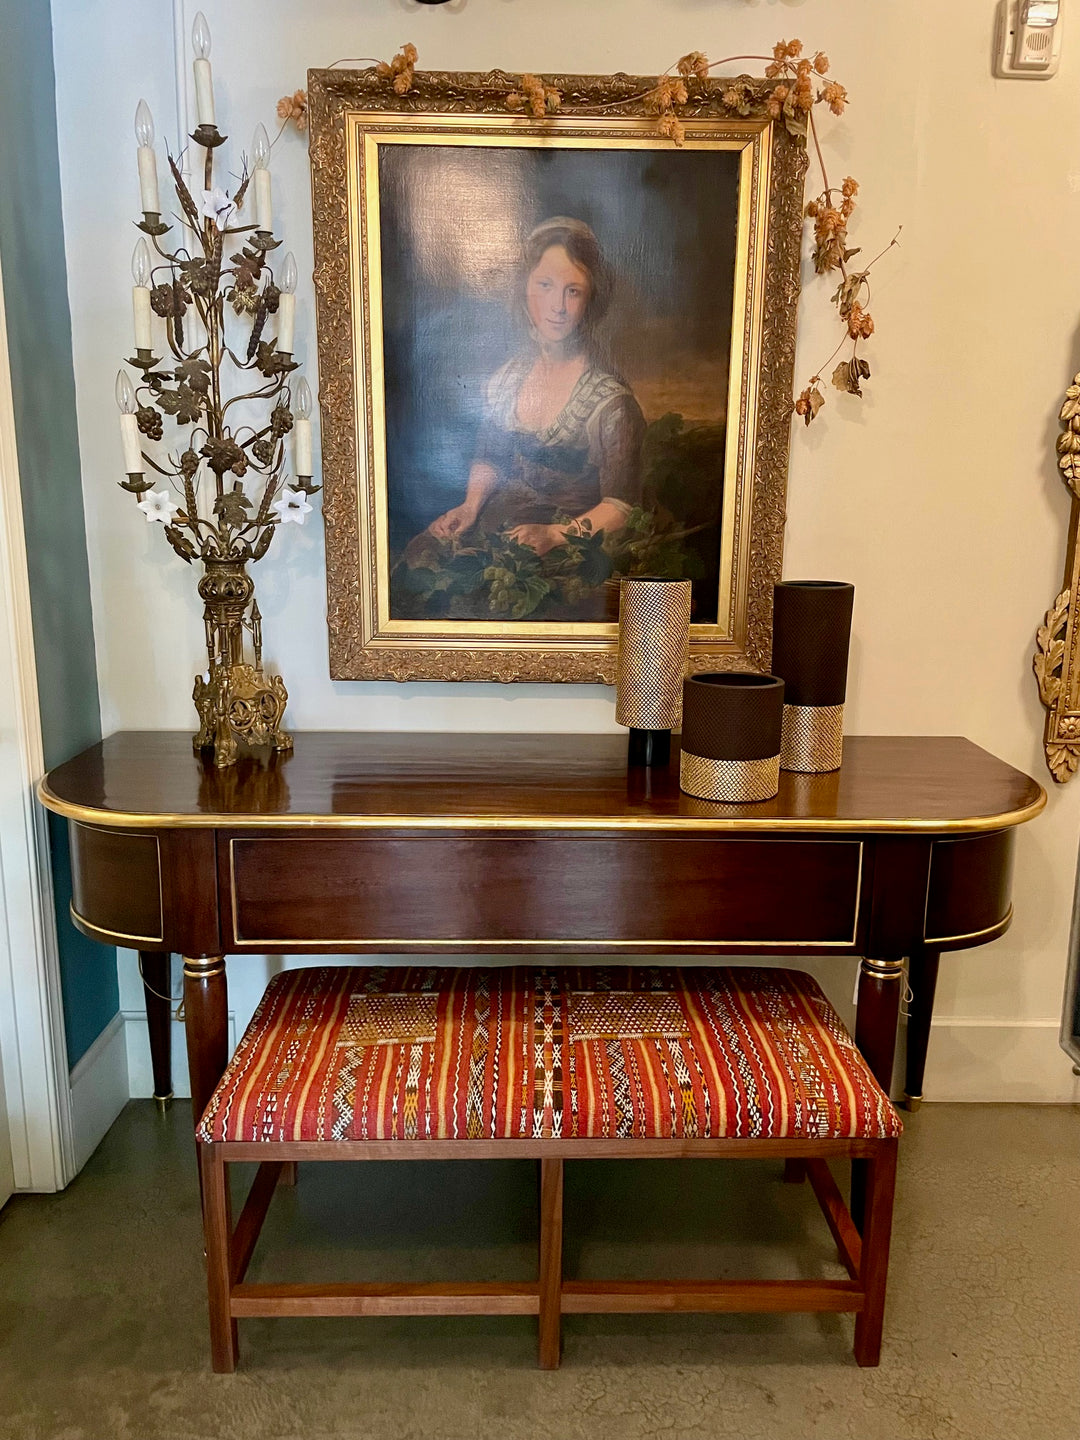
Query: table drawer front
[(359, 890), (116, 885), (970, 893)]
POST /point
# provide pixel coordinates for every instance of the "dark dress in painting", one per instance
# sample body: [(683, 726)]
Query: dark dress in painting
[(590, 452)]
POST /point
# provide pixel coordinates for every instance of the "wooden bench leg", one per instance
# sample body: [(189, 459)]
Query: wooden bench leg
[(874, 1267), (551, 1221), (289, 1171), (217, 1231), (794, 1172)]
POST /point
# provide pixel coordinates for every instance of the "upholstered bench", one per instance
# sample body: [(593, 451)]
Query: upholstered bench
[(351, 1063)]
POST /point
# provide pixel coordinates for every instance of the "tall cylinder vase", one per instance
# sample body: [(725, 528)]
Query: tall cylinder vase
[(654, 651), (811, 638)]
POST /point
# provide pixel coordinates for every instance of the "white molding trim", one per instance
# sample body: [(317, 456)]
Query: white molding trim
[(140, 1077), (32, 1041), (99, 1089), (998, 1061)]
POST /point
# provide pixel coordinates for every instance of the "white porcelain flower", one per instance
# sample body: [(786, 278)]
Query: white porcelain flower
[(158, 505), (216, 206), (291, 505)]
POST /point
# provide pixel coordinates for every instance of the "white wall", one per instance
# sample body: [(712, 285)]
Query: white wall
[(937, 494)]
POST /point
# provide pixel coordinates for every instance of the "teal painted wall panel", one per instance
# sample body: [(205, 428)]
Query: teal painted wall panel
[(46, 432), (91, 990)]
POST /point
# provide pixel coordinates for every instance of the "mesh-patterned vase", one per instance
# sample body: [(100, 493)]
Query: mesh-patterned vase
[(731, 737), (654, 650), (811, 638)]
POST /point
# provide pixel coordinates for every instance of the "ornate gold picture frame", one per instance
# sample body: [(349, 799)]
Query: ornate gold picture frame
[(552, 351)]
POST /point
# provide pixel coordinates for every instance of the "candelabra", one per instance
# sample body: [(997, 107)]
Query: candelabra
[(228, 475)]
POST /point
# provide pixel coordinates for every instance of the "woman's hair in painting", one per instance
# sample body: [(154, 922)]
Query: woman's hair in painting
[(583, 248)]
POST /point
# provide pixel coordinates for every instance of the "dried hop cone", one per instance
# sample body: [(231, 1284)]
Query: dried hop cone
[(835, 96), (695, 65), (294, 108)]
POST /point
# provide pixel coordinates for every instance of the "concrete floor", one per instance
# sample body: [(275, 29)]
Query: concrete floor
[(102, 1325)]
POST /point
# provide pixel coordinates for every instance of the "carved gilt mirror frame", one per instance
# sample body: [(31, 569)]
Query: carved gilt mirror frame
[(360, 134), (1057, 640)]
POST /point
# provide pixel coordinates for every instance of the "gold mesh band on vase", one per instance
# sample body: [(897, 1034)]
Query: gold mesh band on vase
[(813, 738), (654, 651), (736, 781)]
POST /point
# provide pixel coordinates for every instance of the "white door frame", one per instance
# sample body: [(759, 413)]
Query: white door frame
[(33, 1048)]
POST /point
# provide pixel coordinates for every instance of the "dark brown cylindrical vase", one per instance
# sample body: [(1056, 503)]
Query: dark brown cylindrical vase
[(811, 639), (731, 732), (654, 648)]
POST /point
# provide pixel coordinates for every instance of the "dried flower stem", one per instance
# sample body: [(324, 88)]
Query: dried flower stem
[(791, 102)]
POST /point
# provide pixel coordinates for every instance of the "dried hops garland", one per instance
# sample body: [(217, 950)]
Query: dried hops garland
[(800, 87)]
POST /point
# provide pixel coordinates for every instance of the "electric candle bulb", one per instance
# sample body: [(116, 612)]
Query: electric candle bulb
[(302, 429), (125, 394), (140, 264), (286, 310), (260, 155), (129, 426), (140, 296), (260, 148), (200, 37), (204, 85), (148, 181)]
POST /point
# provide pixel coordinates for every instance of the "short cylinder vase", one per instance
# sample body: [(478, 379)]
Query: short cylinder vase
[(811, 639), (731, 732), (654, 650)]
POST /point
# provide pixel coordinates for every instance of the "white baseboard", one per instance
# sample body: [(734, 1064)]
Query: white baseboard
[(999, 1060), (969, 1060), (140, 1076), (99, 1089)]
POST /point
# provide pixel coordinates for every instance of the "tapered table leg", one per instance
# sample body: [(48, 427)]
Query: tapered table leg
[(876, 1013), (922, 976), (206, 1012), (155, 968)]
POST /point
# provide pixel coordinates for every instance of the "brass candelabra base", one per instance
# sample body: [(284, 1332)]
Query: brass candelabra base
[(238, 704)]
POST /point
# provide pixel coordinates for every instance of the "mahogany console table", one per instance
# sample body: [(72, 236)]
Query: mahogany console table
[(535, 844)]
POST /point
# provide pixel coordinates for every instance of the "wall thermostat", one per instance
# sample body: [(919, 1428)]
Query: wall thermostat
[(1027, 42)]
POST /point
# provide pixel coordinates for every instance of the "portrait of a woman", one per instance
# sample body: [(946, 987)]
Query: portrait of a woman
[(559, 446), (555, 362)]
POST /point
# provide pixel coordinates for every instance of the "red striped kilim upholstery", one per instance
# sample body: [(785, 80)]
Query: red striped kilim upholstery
[(345, 1053)]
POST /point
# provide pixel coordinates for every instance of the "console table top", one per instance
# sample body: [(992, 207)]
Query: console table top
[(425, 780)]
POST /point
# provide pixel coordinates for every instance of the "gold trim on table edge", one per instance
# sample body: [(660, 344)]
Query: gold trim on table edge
[(174, 820), (999, 925), (114, 937)]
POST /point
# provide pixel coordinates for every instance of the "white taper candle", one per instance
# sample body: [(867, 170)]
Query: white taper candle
[(286, 322), (148, 182), (264, 214), (140, 304), (302, 447), (129, 434), (204, 94)]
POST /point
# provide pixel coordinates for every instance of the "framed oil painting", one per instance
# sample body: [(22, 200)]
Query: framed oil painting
[(553, 352)]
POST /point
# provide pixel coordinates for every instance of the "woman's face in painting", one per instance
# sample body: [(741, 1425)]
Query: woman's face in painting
[(556, 294)]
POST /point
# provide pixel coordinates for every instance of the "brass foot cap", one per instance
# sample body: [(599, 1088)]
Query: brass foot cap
[(163, 1102), (912, 1102)]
